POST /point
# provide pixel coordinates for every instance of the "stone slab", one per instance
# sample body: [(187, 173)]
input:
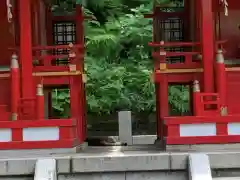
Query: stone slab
[(150, 175), (94, 176), (144, 139), (199, 167), (99, 160), (125, 127), (137, 162), (45, 169)]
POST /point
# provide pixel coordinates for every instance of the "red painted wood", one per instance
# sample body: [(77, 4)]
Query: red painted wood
[(202, 140), (221, 83), (15, 91), (201, 119), (40, 123), (163, 105), (229, 30), (172, 124), (233, 98), (40, 107), (5, 35), (26, 48), (208, 50), (69, 143)]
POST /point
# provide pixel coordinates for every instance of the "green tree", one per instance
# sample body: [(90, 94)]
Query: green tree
[(118, 59)]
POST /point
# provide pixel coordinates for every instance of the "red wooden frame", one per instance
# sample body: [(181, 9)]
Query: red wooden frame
[(222, 130), (210, 103), (26, 109), (67, 134)]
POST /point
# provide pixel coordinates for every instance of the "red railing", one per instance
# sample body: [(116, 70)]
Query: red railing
[(49, 58), (26, 107), (191, 59), (206, 104)]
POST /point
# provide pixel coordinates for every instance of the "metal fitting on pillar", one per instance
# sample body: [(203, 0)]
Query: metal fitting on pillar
[(199, 57), (162, 53), (219, 56), (224, 111), (40, 102), (14, 117), (196, 86), (14, 61), (196, 98), (39, 90), (15, 87)]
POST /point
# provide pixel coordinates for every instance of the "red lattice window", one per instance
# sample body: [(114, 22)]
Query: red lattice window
[(63, 33), (169, 27)]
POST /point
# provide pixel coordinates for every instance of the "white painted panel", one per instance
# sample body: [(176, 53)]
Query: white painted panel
[(233, 128), (199, 167), (41, 134), (207, 129), (5, 135), (45, 169)]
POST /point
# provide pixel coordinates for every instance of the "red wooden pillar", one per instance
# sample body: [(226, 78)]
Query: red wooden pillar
[(26, 48), (80, 66), (79, 33), (207, 37), (163, 94), (221, 81), (197, 23), (15, 87)]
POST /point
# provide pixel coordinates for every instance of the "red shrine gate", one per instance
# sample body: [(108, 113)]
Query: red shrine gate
[(37, 66), (213, 37)]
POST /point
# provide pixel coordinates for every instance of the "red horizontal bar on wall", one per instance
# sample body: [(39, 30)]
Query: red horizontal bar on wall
[(201, 119), (40, 123)]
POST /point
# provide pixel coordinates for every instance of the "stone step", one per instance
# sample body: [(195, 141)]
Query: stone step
[(226, 178)]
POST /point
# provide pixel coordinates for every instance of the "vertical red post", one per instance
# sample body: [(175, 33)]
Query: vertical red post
[(208, 47), (197, 6), (26, 48), (75, 91), (15, 87), (163, 92), (40, 102), (221, 81), (197, 109), (79, 34), (79, 82)]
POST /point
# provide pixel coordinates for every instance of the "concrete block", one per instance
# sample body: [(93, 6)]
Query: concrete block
[(179, 161), (94, 176), (3, 167), (225, 173), (224, 160), (19, 166), (64, 164), (199, 167), (136, 162), (156, 175), (16, 178), (45, 169), (125, 127), (144, 139)]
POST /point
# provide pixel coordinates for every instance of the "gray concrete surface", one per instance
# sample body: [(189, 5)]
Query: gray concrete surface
[(103, 159), (120, 163), (125, 127), (199, 167), (45, 169)]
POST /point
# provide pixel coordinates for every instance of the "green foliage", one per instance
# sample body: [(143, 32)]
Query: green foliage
[(118, 60)]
